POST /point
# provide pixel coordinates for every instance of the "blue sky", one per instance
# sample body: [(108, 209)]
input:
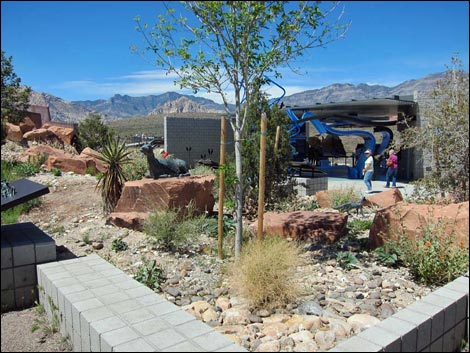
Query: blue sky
[(79, 50)]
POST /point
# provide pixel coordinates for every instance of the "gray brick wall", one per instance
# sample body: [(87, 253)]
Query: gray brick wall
[(200, 134), (23, 247)]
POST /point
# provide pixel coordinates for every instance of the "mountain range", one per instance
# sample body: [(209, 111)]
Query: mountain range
[(124, 106)]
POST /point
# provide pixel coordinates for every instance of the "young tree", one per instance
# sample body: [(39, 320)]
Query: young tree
[(14, 97), (227, 47), (444, 135), (92, 132)]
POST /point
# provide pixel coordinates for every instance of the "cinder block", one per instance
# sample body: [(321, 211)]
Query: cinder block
[(23, 254), (137, 315), (111, 339), (148, 327), (8, 300), (7, 255), (138, 292), (435, 312), (76, 341), (389, 341), (24, 276), (232, 348), (124, 306), (45, 252), (406, 330), (459, 299), (7, 279), (79, 307), (168, 338), (25, 296), (138, 345), (150, 299), (109, 299), (163, 308), (423, 324), (449, 343), (436, 346), (179, 317), (193, 328), (97, 328), (214, 341), (448, 306)]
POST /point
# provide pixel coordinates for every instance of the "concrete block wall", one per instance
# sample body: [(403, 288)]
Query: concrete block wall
[(200, 134), (437, 323), (309, 186), (23, 247), (102, 309)]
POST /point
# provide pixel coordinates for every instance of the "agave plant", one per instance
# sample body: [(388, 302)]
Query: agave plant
[(115, 154)]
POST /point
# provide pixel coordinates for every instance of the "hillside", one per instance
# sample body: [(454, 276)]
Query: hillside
[(125, 107)]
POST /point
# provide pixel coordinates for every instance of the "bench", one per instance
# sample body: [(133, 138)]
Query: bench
[(102, 309)]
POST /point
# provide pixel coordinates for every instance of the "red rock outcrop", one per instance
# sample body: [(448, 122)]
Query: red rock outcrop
[(13, 132), (40, 135), (325, 227), (65, 134), (64, 161), (27, 125), (384, 199), (146, 196), (411, 218)]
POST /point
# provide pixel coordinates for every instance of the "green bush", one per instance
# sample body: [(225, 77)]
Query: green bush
[(202, 170), (433, 257), (346, 259), (137, 167), (342, 196), (56, 172), (119, 245), (264, 272), (356, 225), (150, 274), (386, 255), (91, 171), (174, 229)]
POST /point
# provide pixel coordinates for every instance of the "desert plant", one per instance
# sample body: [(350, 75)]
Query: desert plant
[(137, 168), (90, 171), (93, 133), (150, 274), (115, 154), (356, 225), (386, 255), (202, 170), (342, 196), (433, 256), (119, 245), (264, 272), (346, 259), (173, 229), (56, 172)]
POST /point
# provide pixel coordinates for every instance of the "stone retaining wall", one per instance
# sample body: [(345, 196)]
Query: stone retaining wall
[(102, 309)]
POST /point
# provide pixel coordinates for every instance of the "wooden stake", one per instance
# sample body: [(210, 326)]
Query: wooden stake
[(276, 143), (221, 189), (262, 165)]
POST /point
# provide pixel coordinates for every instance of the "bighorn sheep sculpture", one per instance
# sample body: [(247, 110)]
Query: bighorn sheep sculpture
[(163, 167)]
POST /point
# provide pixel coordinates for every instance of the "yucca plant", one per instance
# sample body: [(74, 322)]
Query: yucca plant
[(115, 154)]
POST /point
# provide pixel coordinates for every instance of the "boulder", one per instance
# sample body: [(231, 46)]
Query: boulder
[(384, 199), (411, 218), (40, 135), (66, 162), (146, 196), (65, 134), (13, 132), (305, 225), (27, 125)]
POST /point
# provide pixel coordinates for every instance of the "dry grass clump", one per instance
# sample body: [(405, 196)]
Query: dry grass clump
[(264, 272)]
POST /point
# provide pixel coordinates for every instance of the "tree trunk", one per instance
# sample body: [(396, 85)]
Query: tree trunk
[(238, 193)]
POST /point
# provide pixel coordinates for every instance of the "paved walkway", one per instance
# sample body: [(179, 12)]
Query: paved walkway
[(406, 189)]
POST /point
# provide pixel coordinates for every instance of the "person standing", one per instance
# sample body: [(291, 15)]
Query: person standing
[(368, 170), (392, 169)]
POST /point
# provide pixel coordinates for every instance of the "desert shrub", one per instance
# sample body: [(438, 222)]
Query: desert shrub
[(119, 245), (346, 259), (264, 272), (356, 225), (386, 255), (93, 133), (56, 172), (150, 274), (296, 203), (342, 196), (202, 170), (137, 167), (90, 170), (433, 256), (174, 229)]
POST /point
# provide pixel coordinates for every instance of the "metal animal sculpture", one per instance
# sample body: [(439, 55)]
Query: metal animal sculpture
[(172, 167), (346, 207)]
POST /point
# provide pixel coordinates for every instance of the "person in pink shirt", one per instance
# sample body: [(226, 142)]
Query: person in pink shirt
[(392, 169)]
